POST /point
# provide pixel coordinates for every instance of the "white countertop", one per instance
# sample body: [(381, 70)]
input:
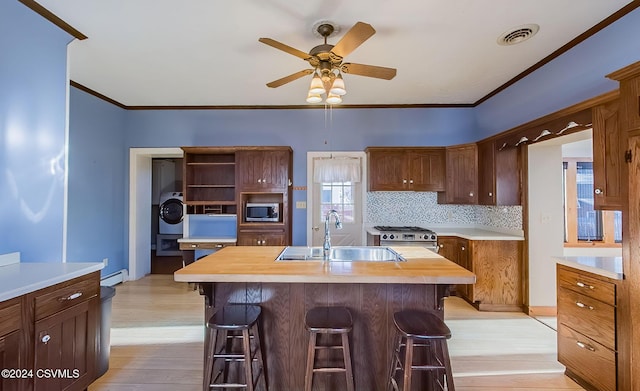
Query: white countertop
[(17, 279), (604, 266), (203, 239), (466, 233)]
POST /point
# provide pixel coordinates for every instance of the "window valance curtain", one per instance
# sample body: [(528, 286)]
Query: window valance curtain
[(336, 169)]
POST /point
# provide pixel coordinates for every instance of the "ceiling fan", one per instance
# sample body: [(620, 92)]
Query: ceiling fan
[(326, 60)]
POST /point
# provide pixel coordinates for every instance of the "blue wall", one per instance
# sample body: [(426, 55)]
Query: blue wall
[(33, 88), (97, 189)]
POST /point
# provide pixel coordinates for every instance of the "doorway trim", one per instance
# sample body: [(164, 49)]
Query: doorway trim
[(140, 164)]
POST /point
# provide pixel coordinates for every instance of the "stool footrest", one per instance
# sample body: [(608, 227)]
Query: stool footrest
[(329, 369)]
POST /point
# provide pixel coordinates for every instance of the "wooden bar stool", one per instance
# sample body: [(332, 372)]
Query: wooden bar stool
[(234, 323), (421, 329), (328, 320)]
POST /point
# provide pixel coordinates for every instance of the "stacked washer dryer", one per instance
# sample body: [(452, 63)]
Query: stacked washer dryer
[(170, 224)]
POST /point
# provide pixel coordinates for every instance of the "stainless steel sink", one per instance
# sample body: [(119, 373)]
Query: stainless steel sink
[(341, 254)]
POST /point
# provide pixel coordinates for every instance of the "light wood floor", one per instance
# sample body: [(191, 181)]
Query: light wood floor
[(157, 343)]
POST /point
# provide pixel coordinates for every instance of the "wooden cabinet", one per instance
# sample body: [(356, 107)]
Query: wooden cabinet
[(209, 180), (499, 180), (224, 179), (52, 333), (11, 346), (406, 169), (456, 250), (262, 237), (461, 181), (497, 266), (264, 169), (587, 328), (66, 322), (608, 157)]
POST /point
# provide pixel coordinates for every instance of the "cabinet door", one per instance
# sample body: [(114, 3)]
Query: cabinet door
[(447, 247), (462, 175), (388, 170), (10, 359), (261, 238), (608, 157), (263, 170), (464, 260), (486, 173), (66, 343), (427, 169)]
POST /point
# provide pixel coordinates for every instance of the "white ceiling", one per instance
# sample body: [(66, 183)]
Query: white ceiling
[(205, 52)]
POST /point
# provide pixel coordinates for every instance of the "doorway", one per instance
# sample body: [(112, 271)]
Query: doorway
[(140, 201), (345, 193)]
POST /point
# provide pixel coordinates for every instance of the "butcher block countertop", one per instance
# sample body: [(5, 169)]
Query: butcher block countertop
[(257, 264)]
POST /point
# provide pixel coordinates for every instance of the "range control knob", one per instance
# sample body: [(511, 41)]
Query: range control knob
[(391, 236), (433, 237), (384, 236)]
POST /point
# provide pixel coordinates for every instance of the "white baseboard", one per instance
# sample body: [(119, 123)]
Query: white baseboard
[(115, 278)]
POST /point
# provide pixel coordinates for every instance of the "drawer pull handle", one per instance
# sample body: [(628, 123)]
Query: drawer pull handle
[(194, 245), (72, 296), (583, 285), (583, 305), (585, 346), (46, 338)]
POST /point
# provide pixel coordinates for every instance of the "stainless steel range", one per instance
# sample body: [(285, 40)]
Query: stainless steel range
[(407, 236)]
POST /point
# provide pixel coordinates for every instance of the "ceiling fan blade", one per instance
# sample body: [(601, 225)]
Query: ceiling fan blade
[(285, 48), (368, 70), (290, 78), (359, 33)]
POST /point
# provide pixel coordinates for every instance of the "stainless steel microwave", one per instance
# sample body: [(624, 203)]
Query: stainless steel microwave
[(262, 212)]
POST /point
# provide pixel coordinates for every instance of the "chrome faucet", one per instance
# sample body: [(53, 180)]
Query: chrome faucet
[(326, 247)]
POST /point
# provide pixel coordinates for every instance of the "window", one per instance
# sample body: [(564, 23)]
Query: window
[(338, 196), (584, 224)]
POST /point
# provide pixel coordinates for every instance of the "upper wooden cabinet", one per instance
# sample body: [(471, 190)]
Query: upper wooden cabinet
[(608, 157), (498, 175), (406, 169), (209, 178), (263, 169), (461, 183)]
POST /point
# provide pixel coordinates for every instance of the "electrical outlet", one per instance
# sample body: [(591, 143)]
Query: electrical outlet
[(301, 204), (105, 261)]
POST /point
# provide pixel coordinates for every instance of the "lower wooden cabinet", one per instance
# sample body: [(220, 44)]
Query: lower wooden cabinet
[(52, 336), (66, 343), (11, 344), (587, 328), (497, 265), (257, 237)]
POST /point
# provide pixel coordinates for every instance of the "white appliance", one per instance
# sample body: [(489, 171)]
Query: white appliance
[(171, 213), (407, 236)]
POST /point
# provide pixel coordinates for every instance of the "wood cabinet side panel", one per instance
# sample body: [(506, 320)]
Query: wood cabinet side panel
[(497, 265)]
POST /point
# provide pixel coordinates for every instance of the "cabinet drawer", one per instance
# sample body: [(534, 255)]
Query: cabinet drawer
[(585, 357), (10, 316), (204, 246), (588, 316), (65, 295), (592, 287)]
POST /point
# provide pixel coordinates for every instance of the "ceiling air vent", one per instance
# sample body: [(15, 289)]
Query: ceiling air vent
[(518, 34)]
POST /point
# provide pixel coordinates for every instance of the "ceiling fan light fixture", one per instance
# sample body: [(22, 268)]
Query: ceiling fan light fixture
[(316, 86), (338, 88), (314, 98), (334, 99)]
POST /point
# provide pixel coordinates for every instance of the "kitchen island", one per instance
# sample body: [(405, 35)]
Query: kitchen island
[(372, 291)]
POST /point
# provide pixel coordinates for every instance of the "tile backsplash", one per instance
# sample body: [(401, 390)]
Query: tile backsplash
[(421, 208)]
